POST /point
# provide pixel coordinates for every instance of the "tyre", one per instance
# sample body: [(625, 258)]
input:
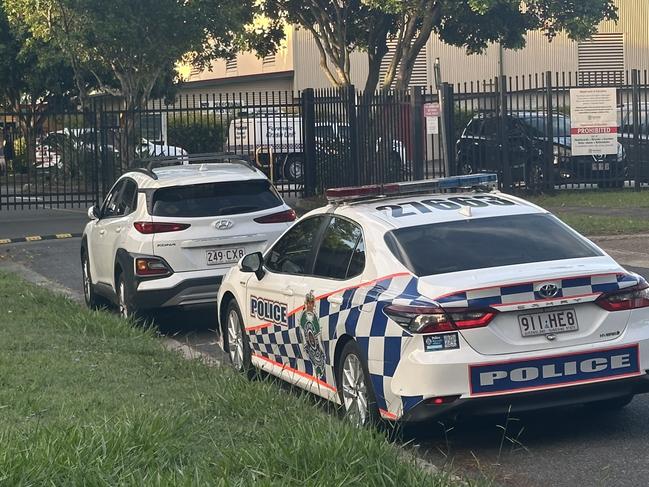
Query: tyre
[(355, 387), (93, 301), (610, 404), (235, 341), (294, 169), (125, 306)]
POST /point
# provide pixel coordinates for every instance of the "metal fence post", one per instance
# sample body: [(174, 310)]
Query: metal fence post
[(549, 134), (308, 141), (416, 131), (501, 87), (350, 98), (636, 157), (448, 128)]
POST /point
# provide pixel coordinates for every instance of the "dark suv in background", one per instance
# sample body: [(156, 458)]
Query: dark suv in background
[(479, 149)]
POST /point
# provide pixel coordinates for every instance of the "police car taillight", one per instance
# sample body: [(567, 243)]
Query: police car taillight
[(633, 298), (433, 319), (410, 187)]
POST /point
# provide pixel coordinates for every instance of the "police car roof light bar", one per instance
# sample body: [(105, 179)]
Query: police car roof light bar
[(484, 180)]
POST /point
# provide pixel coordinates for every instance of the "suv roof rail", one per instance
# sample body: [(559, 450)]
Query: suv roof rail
[(475, 182), (151, 163)]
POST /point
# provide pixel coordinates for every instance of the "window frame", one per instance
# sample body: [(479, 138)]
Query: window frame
[(321, 241), (120, 193), (317, 239)]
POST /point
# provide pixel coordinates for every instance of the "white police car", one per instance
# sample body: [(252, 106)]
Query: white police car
[(404, 303)]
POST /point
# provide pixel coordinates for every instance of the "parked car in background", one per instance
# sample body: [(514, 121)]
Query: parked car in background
[(627, 139), (479, 149)]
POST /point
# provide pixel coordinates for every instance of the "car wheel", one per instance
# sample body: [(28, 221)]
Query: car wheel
[(610, 404), (294, 169), (90, 297), (355, 388), (125, 306), (236, 341)]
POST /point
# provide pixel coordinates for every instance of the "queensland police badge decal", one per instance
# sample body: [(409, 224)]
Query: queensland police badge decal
[(311, 336)]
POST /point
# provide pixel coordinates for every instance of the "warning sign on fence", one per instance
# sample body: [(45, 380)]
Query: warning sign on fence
[(593, 114), (432, 112)]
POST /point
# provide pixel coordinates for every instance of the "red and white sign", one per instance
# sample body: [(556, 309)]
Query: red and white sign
[(593, 118), (432, 112)]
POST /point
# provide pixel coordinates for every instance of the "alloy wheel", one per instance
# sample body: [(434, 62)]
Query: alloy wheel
[(87, 285), (354, 390), (235, 340), (123, 307)]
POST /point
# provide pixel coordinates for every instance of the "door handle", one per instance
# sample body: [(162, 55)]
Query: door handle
[(288, 292), (337, 300), (102, 232), (118, 229)]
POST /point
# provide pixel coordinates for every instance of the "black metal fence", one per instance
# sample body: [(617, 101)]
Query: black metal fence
[(519, 127)]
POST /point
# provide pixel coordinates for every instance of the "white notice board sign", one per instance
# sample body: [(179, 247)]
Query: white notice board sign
[(432, 112), (593, 117)]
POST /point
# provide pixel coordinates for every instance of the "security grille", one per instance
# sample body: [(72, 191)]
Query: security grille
[(601, 59), (419, 71), (269, 61), (231, 65)]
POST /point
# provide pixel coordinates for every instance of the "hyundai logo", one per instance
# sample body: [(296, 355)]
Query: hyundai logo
[(223, 224), (548, 291)]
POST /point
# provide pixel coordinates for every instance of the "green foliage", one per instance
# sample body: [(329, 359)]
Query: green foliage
[(88, 399), (197, 134)]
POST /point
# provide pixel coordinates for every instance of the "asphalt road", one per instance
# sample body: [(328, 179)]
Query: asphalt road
[(564, 447)]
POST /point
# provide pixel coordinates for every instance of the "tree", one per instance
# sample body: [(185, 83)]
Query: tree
[(131, 46), (340, 27), (35, 80)]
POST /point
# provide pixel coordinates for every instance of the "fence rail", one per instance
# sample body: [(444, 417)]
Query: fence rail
[(305, 142)]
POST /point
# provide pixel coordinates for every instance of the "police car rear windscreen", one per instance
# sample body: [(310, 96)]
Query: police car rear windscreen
[(470, 244)]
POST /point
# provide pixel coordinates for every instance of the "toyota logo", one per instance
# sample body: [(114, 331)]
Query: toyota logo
[(549, 290), (223, 224)]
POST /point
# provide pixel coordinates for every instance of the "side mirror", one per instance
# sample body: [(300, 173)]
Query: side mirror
[(93, 213), (253, 263)]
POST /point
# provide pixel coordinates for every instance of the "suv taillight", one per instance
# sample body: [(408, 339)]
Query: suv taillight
[(632, 298), (151, 266), (281, 217), (433, 319), (149, 228)]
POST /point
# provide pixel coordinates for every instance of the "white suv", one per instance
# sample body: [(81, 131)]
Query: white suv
[(166, 236)]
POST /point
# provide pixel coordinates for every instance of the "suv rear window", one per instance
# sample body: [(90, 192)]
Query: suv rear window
[(441, 248), (215, 199)]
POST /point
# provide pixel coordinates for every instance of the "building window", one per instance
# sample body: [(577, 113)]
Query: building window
[(231, 65), (601, 59)]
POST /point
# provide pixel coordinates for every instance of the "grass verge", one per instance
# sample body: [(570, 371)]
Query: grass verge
[(594, 199), (86, 399), (596, 225)]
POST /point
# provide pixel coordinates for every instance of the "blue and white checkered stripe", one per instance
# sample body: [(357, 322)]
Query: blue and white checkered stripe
[(528, 292), (382, 341)]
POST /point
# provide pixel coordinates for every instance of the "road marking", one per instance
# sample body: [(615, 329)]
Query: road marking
[(39, 238)]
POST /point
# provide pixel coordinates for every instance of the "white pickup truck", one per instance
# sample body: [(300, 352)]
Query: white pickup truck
[(280, 135)]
